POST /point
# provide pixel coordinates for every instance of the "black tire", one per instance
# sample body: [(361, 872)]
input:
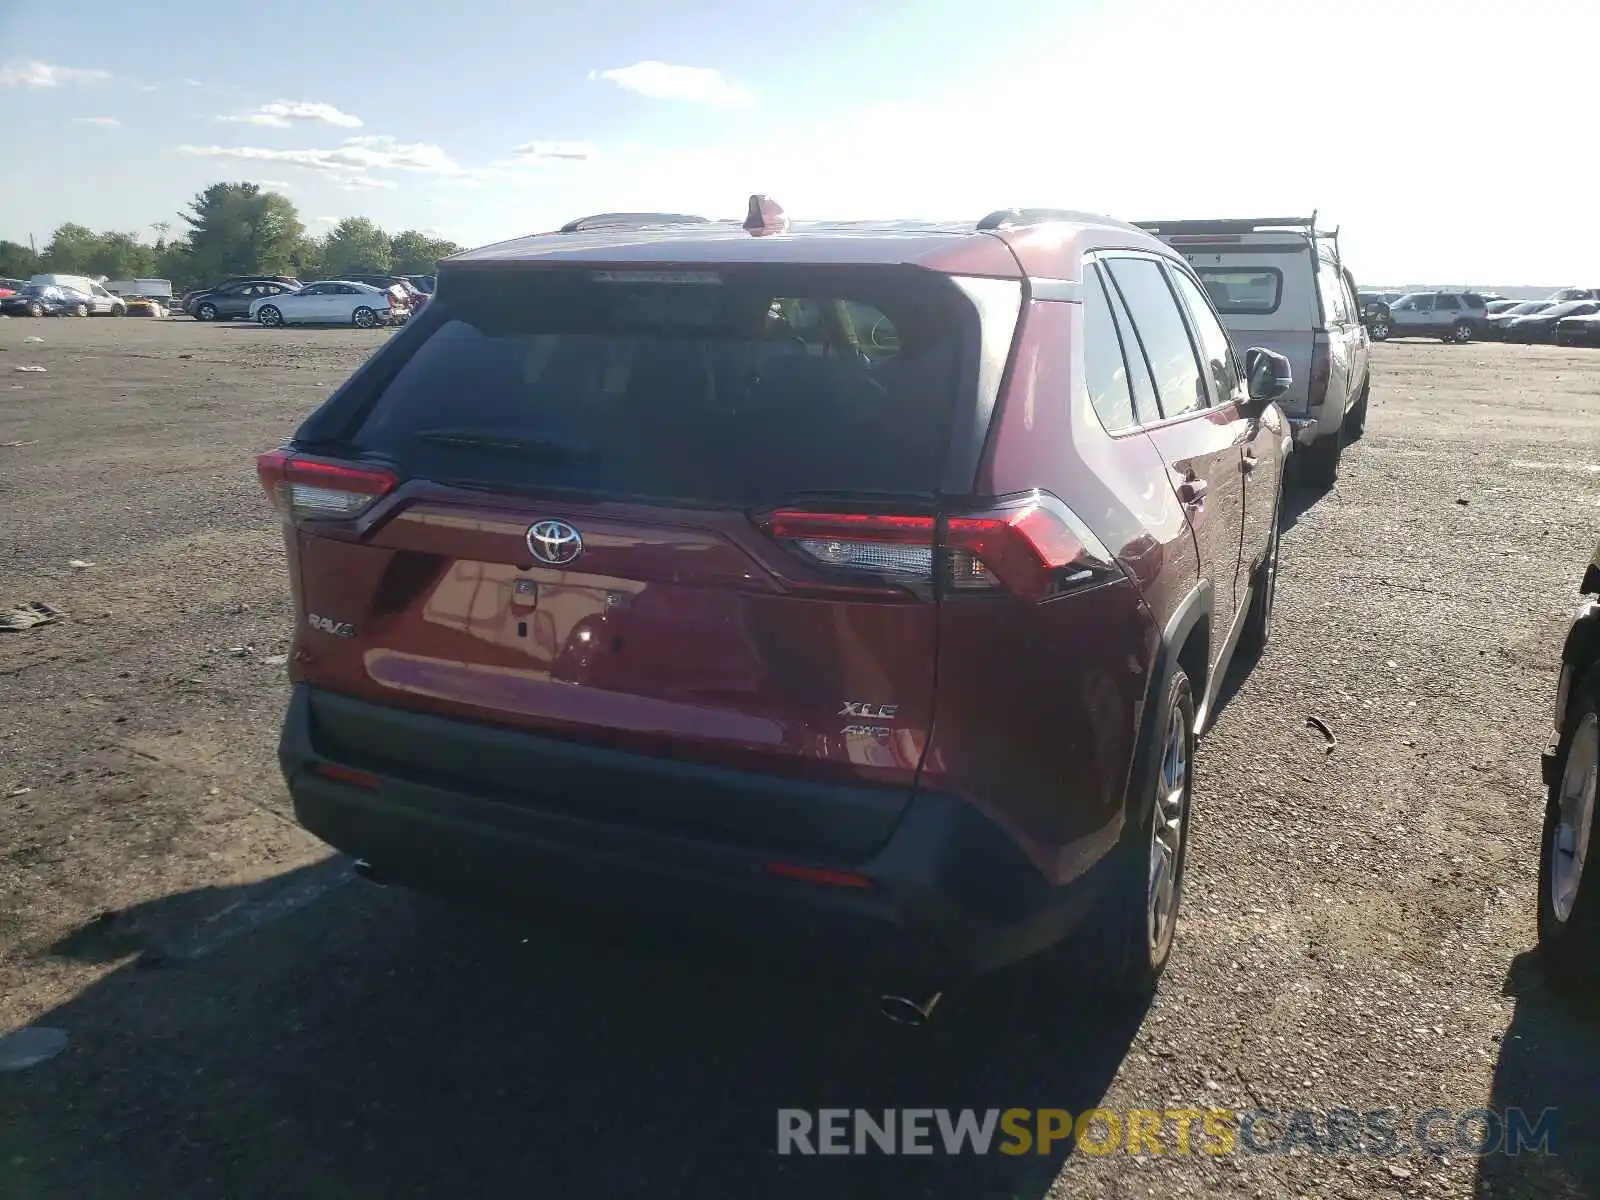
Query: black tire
[(81, 310), (119, 310), (35, 310), (1355, 421), (1319, 462), (206, 312), (1380, 330), (1460, 333), (1569, 941), (1257, 631), (269, 316), (364, 318)]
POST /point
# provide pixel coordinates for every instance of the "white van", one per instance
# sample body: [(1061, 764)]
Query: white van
[(1280, 282), (100, 301)]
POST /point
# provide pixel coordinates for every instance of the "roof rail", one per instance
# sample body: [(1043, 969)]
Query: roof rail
[(1007, 218), (631, 221)]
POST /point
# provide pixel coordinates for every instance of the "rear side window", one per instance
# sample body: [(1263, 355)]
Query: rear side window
[(1447, 303), (1105, 374), (1214, 345), (1145, 407), (1180, 387), (741, 389), (1245, 292), (1331, 289)]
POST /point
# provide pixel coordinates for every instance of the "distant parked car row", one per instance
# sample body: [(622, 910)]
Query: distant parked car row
[(1571, 316), (364, 300)]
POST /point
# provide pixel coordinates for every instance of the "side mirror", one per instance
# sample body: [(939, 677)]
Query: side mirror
[(1268, 376)]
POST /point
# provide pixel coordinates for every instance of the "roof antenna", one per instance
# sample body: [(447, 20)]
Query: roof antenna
[(765, 216)]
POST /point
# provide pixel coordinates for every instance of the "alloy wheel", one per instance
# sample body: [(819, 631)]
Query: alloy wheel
[(1167, 831), (1570, 846)]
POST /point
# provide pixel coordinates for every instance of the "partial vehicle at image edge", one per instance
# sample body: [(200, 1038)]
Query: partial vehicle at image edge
[(733, 580), (1569, 851)]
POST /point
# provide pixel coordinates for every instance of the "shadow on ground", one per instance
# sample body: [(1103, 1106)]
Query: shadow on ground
[(373, 1042), (1549, 1059)]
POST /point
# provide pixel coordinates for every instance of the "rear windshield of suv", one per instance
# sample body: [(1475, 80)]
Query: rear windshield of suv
[(741, 389), (1253, 292)]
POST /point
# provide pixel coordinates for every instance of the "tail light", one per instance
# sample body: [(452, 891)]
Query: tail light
[(1034, 547), (1321, 366), (307, 489)]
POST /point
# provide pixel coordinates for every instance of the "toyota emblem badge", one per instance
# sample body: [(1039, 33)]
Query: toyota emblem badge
[(554, 542)]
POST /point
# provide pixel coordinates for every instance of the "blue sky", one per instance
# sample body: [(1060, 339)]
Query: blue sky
[(1451, 139)]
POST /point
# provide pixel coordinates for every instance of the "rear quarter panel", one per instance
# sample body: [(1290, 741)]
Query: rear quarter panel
[(1038, 705)]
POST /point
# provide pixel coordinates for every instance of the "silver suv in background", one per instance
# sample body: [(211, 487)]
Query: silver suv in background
[(1449, 316), (1279, 283)]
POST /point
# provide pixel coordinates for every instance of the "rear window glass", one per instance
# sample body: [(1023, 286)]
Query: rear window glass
[(1255, 292), (745, 389)]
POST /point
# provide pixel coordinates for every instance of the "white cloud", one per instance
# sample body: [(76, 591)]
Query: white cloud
[(282, 114), (355, 156), (275, 185), (534, 152), (355, 183), (665, 81), (193, 83), (325, 220), (149, 87), (107, 121), (43, 75)]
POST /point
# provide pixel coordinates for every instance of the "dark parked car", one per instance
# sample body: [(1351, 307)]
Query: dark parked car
[(1526, 308), (232, 299), (1569, 858), (47, 300), (1579, 330), (1541, 326), (784, 584)]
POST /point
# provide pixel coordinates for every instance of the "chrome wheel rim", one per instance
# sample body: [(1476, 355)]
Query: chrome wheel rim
[(365, 318), (1167, 832), (269, 316), (1570, 846), (1380, 329)]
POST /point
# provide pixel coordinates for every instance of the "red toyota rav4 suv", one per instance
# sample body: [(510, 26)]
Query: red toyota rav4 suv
[(865, 582)]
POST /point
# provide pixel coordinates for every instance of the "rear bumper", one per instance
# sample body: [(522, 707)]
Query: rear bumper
[(951, 895)]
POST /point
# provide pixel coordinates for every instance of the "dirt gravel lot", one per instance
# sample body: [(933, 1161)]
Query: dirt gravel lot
[(246, 1020)]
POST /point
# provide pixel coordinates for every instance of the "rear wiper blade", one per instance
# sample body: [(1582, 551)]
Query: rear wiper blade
[(538, 449)]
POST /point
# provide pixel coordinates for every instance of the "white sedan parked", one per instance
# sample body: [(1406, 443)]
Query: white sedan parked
[(331, 302)]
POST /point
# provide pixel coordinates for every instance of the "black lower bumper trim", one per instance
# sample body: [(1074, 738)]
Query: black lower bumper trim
[(951, 894)]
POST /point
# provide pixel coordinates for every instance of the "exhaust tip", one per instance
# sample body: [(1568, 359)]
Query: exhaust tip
[(367, 871), (904, 1011)]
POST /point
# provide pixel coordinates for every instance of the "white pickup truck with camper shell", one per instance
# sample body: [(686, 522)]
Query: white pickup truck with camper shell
[(1279, 282)]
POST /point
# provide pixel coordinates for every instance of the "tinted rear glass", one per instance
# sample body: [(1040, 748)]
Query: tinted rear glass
[(1237, 290), (739, 390)]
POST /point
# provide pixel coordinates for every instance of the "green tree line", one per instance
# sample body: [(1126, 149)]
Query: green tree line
[(232, 229)]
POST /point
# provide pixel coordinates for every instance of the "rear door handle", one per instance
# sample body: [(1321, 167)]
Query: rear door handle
[(1192, 493), (1248, 463)]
